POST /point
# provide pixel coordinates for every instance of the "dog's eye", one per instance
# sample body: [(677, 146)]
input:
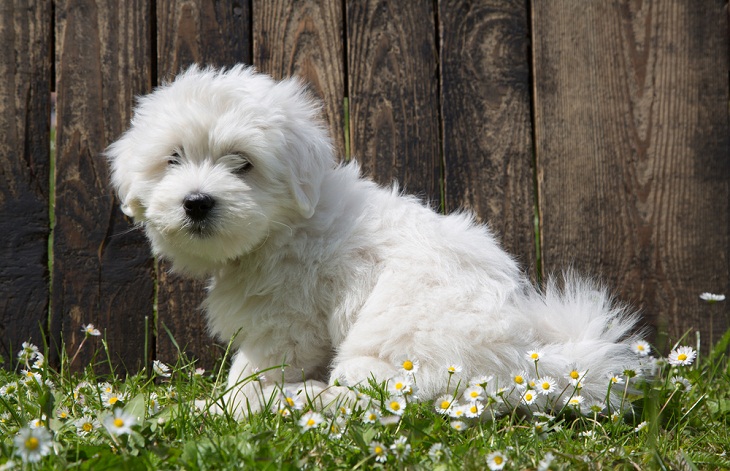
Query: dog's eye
[(174, 159), (243, 165)]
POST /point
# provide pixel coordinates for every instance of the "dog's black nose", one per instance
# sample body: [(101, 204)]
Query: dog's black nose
[(198, 205)]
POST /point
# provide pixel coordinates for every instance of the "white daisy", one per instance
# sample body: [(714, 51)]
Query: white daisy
[(400, 385), (89, 329), (682, 356), (458, 425), (380, 452), (574, 401), (85, 425), (712, 298), (681, 383), (641, 347), (480, 381), (545, 385), (370, 416), (28, 351), (459, 411), (474, 393), (615, 379), (534, 355), (409, 366), (161, 369), (520, 380), (453, 368), (400, 448), (291, 399), (474, 409), (496, 460), (396, 405), (111, 399), (119, 422), (438, 452), (529, 397), (32, 444), (310, 420), (574, 376), (444, 404)]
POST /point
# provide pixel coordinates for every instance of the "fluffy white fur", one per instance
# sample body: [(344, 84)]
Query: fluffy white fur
[(314, 266)]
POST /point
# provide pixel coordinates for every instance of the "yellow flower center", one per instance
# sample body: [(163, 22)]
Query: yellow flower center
[(378, 450), (519, 379), (681, 357), (118, 423), (546, 386), (473, 409), (113, 400), (528, 396), (474, 394), (310, 423), (32, 443), (399, 386), (87, 427), (640, 348), (290, 401), (395, 405), (574, 374), (498, 460), (534, 356), (408, 365), (445, 404)]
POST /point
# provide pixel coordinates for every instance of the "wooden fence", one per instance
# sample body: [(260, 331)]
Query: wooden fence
[(604, 124)]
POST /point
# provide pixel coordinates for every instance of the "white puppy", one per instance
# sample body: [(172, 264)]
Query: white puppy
[(233, 177)]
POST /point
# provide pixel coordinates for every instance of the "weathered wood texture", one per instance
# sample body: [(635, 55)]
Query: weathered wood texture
[(485, 114), (631, 119), (102, 53), (209, 33), (25, 110), (393, 93), (305, 39)]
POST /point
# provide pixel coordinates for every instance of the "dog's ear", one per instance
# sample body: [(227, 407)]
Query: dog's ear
[(122, 179), (306, 192)]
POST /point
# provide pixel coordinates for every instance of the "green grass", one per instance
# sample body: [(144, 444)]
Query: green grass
[(683, 429)]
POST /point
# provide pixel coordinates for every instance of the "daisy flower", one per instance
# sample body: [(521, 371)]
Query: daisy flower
[(438, 452), (32, 444), (575, 375), (544, 464), (400, 448), (29, 376), (712, 298), (546, 385), (534, 355), (458, 411), (496, 460), (9, 390), (680, 383), (62, 413), (458, 425), (444, 404), (529, 397), (89, 329), (474, 393), (120, 422), (595, 407), (85, 425), (574, 401), (199, 372), (641, 347), (409, 366), (480, 380), (474, 409), (161, 369), (111, 399), (682, 356), (310, 420), (370, 416), (615, 379), (337, 427), (291, 399), (396, 405), (400, 385), (453, 368), (380, 452), (28, 351), (38, 423), (520, 380), (641, 426), (153, 404)]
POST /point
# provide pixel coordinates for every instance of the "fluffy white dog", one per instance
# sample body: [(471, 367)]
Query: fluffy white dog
[(233, 177)]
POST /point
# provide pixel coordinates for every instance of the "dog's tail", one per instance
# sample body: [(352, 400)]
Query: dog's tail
[(586, 339)]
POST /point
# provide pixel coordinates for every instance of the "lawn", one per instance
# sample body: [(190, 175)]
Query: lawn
[(676, 418)]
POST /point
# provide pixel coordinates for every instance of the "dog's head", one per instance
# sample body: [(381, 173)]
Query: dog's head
[(218, 159)]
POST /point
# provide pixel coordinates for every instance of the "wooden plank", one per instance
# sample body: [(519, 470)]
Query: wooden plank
[(102, 270), (393, 93), (209, 33), (487, 130), (305, 39), (25, 113), (632, 147)]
